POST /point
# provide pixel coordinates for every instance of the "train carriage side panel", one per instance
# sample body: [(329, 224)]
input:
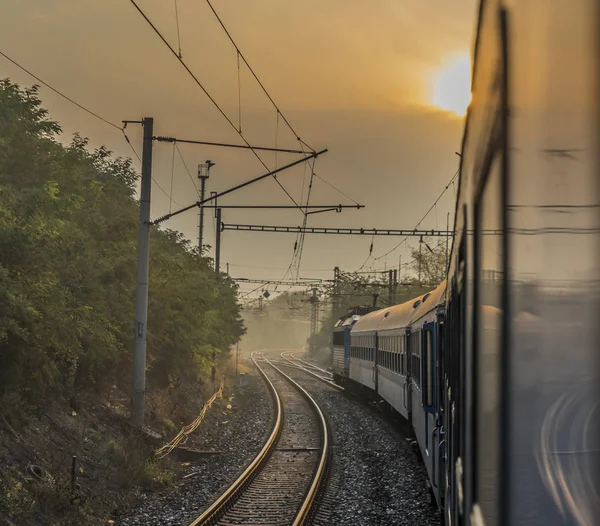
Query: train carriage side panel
[(363, 346), (339, 362), (392, 363), (426, 420)]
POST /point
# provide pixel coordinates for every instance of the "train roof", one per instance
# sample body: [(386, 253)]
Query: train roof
[(428, 302), (371, 321), (399, 316)]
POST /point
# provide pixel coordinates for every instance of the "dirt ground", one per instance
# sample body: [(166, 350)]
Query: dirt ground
[(113, 463)]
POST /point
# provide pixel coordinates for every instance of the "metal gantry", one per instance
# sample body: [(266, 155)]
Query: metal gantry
[(339, 231)]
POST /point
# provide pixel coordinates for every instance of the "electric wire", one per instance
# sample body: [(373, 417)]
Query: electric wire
[(422, 219), (335, 188), (178, 34), (239, 93), (256, 77), (90, 112), (172, 177), (248, 293), (186, 168), (303, 236), (276, 138), (214, 102), (131, 145), (60, 93)]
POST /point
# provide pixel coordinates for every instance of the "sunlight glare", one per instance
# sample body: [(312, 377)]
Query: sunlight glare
[(451, 86)]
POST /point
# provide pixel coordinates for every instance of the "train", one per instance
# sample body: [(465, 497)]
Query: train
[(496, 370)]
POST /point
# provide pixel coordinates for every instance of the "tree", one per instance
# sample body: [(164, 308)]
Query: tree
[(68, 234), (430, 262)]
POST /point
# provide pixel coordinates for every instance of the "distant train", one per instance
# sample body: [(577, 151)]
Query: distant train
[(497, 370)]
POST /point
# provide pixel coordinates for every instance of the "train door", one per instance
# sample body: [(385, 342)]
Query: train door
[(408, 385), (429, 398), (454, 416), (347, 350), (440, 398)]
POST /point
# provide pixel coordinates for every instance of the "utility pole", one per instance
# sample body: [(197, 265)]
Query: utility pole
[(141, 295), (336, 289), (395, 290), (447, 226), (218, 242), (400, 268), (375, 296), (314, 320), (390, 287), (420, 258), (203, 174), (217, 264)]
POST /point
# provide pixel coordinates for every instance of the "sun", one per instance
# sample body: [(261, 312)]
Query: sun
[(451, 86)]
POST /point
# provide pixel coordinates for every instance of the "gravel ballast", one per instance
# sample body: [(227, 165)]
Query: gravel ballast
[(376, 478), (238, 432)]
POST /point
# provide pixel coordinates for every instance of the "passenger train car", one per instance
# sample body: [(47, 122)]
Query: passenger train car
[(497, 371), (341, 340)]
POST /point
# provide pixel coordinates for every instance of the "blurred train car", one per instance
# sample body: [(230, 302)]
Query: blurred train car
[(521, 404)]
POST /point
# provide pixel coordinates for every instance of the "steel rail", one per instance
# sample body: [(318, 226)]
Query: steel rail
[(318, 370), (329, 382), (306, 507), (221, 504), (294, 357)]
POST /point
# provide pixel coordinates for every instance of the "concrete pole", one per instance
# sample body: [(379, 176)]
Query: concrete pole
[(141, 296), (201, 220), (313, 320), (218, 243)]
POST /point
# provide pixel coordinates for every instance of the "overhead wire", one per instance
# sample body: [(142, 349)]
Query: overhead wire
[(60, 93), (214, 102), (178, 34), (335, 188), (239, 93), (172, 176), (88, 111), (303, 235), (422, 219), (186, 168), (256, 77), (131, 145), (369, 256)]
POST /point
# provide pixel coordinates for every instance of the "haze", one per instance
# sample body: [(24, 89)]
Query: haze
[(353, 77)]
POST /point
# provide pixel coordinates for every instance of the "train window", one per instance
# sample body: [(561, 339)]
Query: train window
[(428, 368)]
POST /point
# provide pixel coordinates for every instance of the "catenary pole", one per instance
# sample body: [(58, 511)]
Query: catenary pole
[(141, 296), (218, 243), (201, 212)]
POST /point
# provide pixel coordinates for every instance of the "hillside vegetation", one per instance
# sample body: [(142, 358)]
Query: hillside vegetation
[(68, 236)]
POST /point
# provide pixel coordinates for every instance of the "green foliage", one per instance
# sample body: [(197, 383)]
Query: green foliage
[(430, 261), (68, 235)]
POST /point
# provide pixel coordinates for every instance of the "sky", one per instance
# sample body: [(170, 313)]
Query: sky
[(370, 81)]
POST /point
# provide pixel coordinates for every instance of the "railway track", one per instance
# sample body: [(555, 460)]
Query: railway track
[(283, 483), (310, 368)]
